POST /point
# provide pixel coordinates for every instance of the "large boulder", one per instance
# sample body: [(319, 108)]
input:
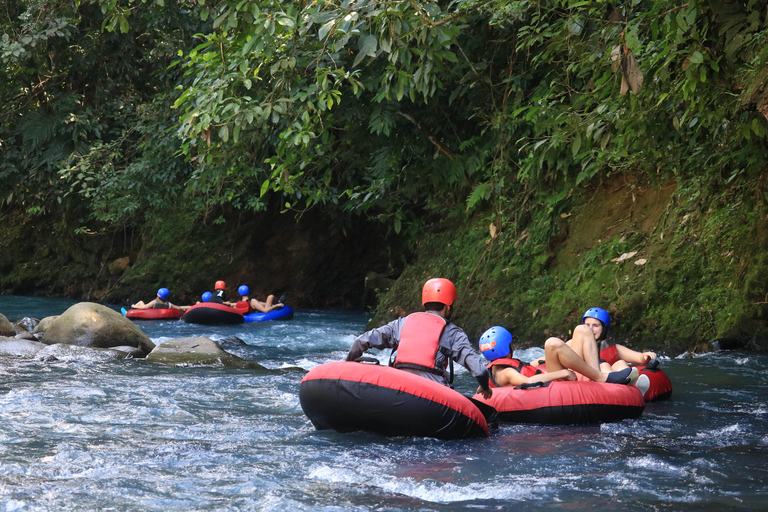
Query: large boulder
[(197, 351), (92, 325), (20, 348), (6, 327)]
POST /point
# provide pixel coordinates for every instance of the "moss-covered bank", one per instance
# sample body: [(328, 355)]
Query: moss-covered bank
[(678, 265)]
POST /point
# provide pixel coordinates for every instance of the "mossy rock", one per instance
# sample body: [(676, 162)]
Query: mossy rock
[(92, 325), (197, 351), (43, 325), (6, 327)]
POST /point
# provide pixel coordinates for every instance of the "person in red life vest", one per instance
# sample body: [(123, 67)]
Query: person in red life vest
[(612, 355), (562, 362), (427, 341), (256, 305)]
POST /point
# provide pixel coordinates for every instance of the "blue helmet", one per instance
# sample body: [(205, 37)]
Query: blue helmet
[(496, 342), (207, 296), (163, 293), (599, 314), (243, 289)]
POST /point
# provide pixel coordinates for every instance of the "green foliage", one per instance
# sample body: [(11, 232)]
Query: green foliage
[(396, 109), (79, 104)]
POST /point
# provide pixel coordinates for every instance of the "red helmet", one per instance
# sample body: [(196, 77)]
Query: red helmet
[(220, 285), (439, 290)]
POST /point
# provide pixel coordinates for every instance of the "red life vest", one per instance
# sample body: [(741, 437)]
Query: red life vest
[(524, 369), (243, 306), (420, 343), (608, 351)]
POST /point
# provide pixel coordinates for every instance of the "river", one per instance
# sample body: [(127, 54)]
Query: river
[(127, 435)]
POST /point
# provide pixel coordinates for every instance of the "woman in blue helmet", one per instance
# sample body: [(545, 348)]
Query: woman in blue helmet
[(159, 302), (562, 362), (257, 305), (612, 355)]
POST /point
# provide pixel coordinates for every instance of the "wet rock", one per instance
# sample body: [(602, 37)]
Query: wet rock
[(67, 352), (131, 352), (27, 323), (197, 351), (92, 325), (231, 340), (15, 347), (41, 327), (6, 327), (26, 335)]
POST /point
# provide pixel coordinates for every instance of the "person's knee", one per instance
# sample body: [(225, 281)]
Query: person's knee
[(582, 330), (553, 344)]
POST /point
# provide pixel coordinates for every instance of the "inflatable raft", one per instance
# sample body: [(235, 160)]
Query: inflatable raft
[(566, 403), (659, 386), (151, 314), (351, 396), (211, 313), (283, 313)]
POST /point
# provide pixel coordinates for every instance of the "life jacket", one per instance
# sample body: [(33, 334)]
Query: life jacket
[(420, 343), (218, 297), (159, 304), (244, 306), (608, 351), (524, 369)]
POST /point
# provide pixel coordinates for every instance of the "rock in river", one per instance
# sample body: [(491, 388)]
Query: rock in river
[(197, 351), (92, 325)]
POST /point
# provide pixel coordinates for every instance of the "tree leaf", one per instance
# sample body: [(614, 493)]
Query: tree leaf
[(367, 45)]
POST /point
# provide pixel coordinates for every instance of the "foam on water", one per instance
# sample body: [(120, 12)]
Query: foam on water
[(84, 434)]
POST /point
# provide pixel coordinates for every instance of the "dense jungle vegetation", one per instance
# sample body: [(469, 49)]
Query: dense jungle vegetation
[(546, 155)]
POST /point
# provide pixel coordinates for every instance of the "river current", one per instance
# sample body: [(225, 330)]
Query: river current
[(128, 435)]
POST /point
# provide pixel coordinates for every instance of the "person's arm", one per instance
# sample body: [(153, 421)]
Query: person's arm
[(508, 376), (380, 338), (465, 354), (633, 356), (485, 386)]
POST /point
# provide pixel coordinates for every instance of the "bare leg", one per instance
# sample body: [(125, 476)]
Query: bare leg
[(265, 307), (585, 346), (560, 355)]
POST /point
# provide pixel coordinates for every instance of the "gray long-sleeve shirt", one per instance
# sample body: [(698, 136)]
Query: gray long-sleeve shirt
[(453, 337)]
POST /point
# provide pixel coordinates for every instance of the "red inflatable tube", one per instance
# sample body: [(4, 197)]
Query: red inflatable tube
[(566, 403), (153, 314), (350, 396), (660, 386), (211, 313)]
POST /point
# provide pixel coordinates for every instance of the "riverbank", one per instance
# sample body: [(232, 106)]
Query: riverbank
[(679, 265)]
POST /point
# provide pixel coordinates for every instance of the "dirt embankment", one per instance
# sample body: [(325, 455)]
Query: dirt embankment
[(677, 267)]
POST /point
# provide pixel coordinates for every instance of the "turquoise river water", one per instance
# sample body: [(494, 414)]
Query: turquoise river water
[(128, 435)]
